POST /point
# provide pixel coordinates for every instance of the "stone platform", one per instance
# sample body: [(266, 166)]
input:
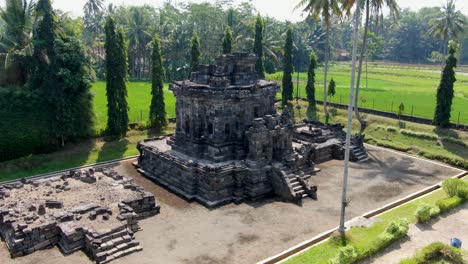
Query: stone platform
[(95, 210)]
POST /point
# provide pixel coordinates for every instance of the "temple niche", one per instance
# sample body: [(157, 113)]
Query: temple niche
[(230, 142)]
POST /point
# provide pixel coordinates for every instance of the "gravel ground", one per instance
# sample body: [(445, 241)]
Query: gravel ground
[(442, 229), (186, 232)]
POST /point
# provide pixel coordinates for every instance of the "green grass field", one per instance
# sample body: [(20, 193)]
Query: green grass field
[(390, 85), (387, 85), (139, 100)]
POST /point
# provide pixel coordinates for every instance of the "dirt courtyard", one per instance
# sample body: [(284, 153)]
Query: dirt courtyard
[(187, 232)]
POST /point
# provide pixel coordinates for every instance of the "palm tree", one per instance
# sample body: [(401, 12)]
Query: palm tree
[(93, 7), (450, 24), (15, 42), (139, 37), (374, 6), (93, 14), (326, 9)]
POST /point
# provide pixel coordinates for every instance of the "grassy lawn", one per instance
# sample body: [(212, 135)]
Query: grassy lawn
[(74, 155), (139, 100), (376, 129), (363, 237), (388, 86)]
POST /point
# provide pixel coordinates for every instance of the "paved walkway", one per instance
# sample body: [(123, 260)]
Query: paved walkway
[(420, 235)]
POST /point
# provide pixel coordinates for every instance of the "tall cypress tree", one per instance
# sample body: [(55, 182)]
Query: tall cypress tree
[(227, 41), (445, 90), (258, 45), (157, 109), (116, 76), (195, 53), (287, 93), (310, 88)]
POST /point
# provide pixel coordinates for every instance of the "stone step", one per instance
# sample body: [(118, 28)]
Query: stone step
[(104, 255), (363, 160), (120, 254), (115, 242), (298, 188), (304, 195), (294, 184)]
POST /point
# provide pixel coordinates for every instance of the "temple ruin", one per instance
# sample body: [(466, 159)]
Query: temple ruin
[(94, 210), (231, 144)]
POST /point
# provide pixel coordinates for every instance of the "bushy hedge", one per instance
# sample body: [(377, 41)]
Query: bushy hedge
[(346, 255), (387, 144), (448, 204), (451, 185), (23, 126), (420, 135), (425, 212), (452, 161), (435, 252)]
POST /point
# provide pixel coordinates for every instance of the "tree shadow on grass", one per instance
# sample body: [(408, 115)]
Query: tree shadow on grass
[(312, 113), (113, 149), (72, 155)]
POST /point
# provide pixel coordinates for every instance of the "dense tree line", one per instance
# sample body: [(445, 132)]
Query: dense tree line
[(49, 58)]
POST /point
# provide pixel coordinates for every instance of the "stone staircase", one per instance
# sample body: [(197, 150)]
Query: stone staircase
[(358, 154), (111, 246), (296, 182)]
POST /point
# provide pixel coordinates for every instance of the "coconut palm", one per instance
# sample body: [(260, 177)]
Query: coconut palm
[(375, 7), (93, 7), (326, 9), (450, 24), (139, 37), (15, 42), (93, 16)]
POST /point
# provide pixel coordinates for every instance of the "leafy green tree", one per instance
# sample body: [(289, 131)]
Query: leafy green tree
[(445, 90), (310, 88), (116, 77), (287, 92), (331, 88), (326, 9), (157, 108), (195, 53), (227, 41), (60, 76), (258, 46)]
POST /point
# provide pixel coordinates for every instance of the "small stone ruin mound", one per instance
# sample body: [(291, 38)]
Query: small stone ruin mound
[(95, 210)]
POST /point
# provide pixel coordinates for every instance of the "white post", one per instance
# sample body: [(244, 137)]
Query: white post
[(357, 22)]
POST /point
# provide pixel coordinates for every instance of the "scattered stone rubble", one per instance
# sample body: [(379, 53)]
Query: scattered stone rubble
[(95, 210)]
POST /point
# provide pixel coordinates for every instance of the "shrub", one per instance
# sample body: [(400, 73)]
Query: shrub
[(462, 191), (398, 228), (448, 203), (346, 255), (434, 252), (425, 212), (394, 231), (420, 135), (452, 161), (392, 129), (455, 141), (450, 186)]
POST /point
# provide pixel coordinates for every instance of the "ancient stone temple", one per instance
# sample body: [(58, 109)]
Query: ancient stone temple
[(230, 142)]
